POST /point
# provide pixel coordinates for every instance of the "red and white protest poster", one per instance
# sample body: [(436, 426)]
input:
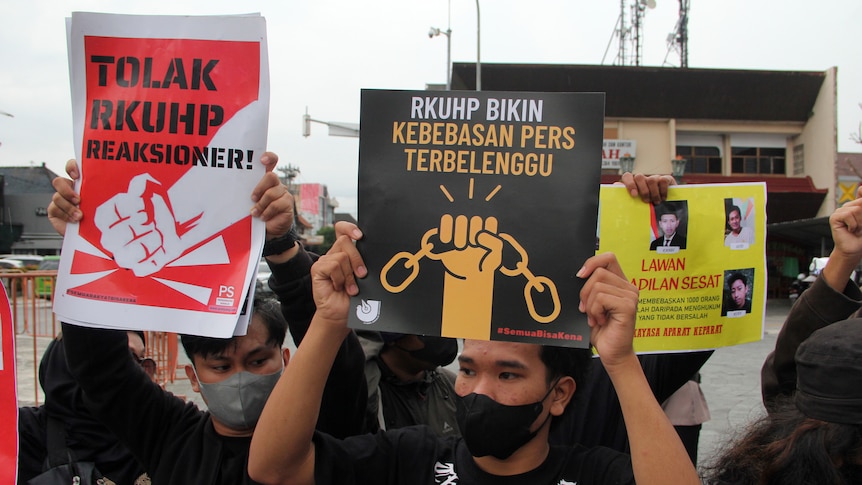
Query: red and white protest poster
[(170, 121), (8, 394)]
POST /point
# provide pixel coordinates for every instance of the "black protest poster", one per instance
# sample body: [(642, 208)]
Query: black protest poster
[(478, 208)]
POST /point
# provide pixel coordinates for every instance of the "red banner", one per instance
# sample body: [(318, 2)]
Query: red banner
[(8, 394)]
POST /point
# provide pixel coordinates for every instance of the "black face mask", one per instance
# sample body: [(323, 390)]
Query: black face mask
[(438, 351), (491, 428)]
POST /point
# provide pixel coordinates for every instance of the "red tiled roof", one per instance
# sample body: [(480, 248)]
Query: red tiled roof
[(787, 198), (773, 184)]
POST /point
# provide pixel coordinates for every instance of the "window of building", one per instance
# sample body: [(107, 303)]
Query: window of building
[(700, 159), (799, 160), (758, 160)]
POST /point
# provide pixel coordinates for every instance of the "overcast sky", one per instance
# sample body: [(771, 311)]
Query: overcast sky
[(322, 52)]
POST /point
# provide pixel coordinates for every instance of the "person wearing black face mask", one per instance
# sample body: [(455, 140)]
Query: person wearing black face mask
[(519, 387), (408, 383), (406, 379)]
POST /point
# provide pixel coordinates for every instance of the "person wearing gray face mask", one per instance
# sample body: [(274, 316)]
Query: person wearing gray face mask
[(174, 440), (238, 400), (235, 381)]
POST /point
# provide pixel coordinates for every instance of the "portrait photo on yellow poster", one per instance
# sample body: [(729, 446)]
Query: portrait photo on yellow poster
[(698, 260)]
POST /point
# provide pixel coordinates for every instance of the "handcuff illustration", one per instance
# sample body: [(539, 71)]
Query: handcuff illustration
[(540, 284)]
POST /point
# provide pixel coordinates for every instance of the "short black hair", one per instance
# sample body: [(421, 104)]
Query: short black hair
[(666, 208), (734, 208), (737, 275), (267, 309), (566, 361)]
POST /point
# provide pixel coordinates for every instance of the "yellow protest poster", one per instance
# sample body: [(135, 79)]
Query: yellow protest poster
[(698, 260)]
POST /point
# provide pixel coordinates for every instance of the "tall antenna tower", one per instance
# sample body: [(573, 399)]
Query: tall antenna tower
[(288, 174), (630, 39), (677, 41), (638, 12), (623, 34)]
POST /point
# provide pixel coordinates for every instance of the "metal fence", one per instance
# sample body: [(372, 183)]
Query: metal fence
[(30, 300)]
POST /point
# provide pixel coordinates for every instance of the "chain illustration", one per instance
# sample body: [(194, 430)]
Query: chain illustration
[(411, 261), (539, 283)]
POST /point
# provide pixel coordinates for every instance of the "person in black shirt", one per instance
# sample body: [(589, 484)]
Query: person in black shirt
[(174, 441), (508, 394), (737, 296), (84, 436), (810, 381)]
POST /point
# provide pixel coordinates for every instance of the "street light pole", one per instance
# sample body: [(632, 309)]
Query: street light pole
[(448, 33), (478, 50), (338, 128), (448, 59)]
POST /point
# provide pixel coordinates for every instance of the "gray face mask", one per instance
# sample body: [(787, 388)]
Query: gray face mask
[(238, 400)]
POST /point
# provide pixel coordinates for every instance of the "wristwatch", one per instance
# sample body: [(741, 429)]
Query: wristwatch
[(281, 244)]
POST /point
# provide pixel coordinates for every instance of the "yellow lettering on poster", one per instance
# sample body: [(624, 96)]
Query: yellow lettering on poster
[(452, 147)]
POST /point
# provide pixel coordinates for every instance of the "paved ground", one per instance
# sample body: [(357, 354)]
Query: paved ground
[(730, 380), (731, 383)]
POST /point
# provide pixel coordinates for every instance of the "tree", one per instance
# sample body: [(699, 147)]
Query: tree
[(328, 234)]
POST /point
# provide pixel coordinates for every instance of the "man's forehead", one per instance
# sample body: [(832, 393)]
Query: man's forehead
[(508, 354), (245, 345), (255, 341)]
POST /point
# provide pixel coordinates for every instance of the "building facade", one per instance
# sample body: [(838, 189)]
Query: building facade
[(315, 210), (778, 127), (24, 226)]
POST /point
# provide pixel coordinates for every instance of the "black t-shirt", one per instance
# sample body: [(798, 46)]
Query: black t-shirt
[(416, 456)]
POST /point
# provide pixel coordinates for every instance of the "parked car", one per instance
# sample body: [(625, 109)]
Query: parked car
[(44, 285), (263, 272), (29, 261), (11, 264), (262, 285)]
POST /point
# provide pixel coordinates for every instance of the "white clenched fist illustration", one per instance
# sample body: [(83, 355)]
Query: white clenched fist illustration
[(139, 227)]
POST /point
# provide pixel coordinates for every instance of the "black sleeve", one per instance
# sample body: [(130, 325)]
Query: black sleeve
[(342, 408), (31, 442), (668, 372), (817, 307), (145, 418), (595, 418), (404, 455)]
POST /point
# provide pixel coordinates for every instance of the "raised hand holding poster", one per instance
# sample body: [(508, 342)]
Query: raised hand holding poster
[(170, 121), (477, 209), (698, 260)]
